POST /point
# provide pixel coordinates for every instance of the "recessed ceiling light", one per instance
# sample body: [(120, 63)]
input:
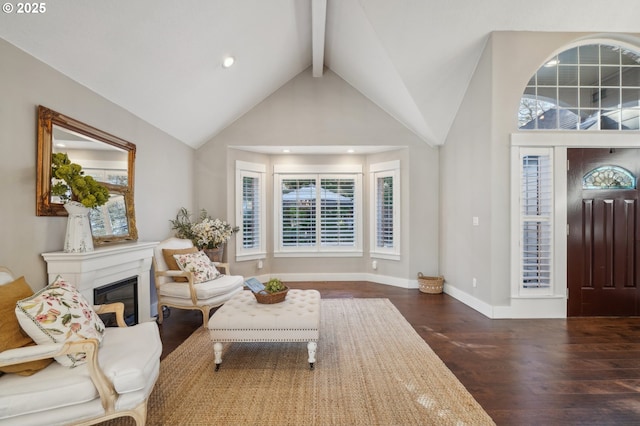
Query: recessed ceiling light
[(351, 151), (228, 61), (286, 151)]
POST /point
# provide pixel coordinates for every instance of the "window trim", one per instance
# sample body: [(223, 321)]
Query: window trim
[(254, 170), (318, 172), (378, 170), (558, 146)]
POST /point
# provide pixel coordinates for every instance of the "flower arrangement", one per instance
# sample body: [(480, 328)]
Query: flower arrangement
[(205, 232), (73, 185)]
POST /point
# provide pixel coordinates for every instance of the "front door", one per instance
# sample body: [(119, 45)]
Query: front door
[(604, 232)]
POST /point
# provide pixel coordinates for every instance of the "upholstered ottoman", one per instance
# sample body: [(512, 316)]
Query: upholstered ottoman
[(243, 319)]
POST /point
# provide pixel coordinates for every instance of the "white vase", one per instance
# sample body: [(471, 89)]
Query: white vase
[(78, 238)]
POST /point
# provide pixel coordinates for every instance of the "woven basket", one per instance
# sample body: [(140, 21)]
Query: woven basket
[(271, 298), (431, 285)]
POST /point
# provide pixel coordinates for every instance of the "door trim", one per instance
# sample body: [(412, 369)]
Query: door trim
[(548, 306)]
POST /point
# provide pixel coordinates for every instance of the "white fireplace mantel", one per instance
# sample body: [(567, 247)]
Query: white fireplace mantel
[(107, 265)]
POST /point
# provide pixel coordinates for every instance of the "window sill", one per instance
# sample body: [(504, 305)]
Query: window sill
[(319, 254), (386, 256), (252, 256)]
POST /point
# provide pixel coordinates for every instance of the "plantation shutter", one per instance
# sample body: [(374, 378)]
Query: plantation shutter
[(384, 211), (298, 212), (337, 212), (251, 212), (536, 220)]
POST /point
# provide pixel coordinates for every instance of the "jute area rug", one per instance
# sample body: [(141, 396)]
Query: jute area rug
[(372, 368)]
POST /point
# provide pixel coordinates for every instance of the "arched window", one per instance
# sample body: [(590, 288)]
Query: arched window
[(609, 177), (591, 87)]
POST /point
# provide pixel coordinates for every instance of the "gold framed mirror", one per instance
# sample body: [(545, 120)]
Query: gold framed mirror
[(109, 159)]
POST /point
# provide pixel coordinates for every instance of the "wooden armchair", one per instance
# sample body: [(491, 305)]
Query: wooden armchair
[(180, 289), (116, 380)]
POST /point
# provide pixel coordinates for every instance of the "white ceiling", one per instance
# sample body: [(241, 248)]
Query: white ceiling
[(161, 60)]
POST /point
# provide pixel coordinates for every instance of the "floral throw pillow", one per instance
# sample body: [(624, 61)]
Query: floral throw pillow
[(59, 313), (199, 264)]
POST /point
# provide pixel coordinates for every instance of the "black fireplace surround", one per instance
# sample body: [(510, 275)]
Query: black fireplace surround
[(125, 291)]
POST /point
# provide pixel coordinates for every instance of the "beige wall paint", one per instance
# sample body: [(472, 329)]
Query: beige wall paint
[(465, 164), (163, 178), (327, 111)]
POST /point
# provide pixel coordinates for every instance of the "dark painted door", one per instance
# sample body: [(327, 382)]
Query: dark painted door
[(604, 236)]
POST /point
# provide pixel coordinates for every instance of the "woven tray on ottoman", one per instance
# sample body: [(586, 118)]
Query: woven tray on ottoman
[(267, 298)]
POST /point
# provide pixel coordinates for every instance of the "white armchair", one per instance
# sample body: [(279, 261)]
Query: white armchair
[(116, 380), (179, 289)]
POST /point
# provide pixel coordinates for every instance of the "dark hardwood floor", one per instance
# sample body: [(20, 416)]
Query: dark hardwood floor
[(578, 371)]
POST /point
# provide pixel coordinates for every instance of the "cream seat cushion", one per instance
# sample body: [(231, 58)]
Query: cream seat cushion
[(128, 356), (206, 290)]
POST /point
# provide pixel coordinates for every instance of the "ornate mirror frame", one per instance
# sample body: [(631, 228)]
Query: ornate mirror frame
[(45, 206), (131, 232)]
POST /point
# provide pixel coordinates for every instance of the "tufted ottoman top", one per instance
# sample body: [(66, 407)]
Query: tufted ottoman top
[(243, 319)]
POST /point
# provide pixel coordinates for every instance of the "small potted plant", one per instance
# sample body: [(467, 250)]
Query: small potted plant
[(274, 292), (274, 285)]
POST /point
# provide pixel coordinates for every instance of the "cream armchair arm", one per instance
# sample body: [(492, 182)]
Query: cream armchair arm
[(104, 387), (173, 273), (30, 353)]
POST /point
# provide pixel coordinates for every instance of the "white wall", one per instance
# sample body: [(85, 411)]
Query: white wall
[(317, 112), (163, 174)]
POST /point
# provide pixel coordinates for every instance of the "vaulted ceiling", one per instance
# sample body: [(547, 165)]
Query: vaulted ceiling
[(161, 60)]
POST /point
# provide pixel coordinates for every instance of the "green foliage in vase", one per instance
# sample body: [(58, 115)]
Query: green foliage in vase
[(274, 285), (182, 225), (74, 185)]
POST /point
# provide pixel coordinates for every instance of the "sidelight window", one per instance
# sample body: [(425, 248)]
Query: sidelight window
[(536, 220)]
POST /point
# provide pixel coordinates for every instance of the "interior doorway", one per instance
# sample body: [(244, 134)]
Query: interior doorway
[(603, 232)]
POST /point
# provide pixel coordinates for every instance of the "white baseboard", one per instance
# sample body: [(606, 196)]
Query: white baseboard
[(469, 300), (534, 307), (520, 308), (548, 307)]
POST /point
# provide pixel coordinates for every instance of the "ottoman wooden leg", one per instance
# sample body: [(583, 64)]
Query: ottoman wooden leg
[(217, 351), (311, 347)]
